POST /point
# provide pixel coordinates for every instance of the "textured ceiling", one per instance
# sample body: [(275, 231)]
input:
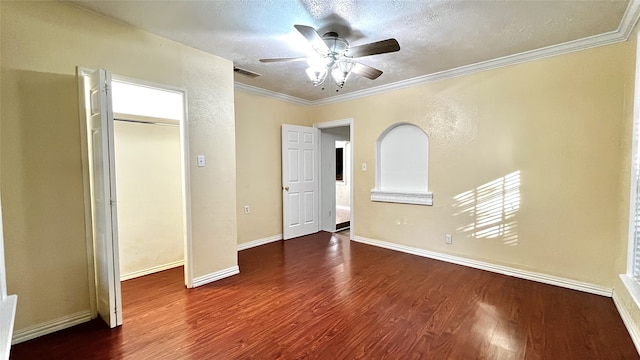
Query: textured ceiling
[(433, 35)]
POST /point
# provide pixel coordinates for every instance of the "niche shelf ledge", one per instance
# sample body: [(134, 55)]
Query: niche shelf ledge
[(402, 197)]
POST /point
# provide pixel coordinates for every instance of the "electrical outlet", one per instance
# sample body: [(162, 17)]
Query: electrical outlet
[(448, 239), (247, 209)]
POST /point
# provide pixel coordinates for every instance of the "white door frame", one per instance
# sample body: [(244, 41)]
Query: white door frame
[(8, 303), (333, 124), (186, 185)]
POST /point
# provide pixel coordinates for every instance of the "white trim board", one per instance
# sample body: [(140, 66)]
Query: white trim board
[(258, 242), (7, 320), (628, 323), (151, 270), (86, 189), (51, 326), (214, 276), (271, 94), (500, 269), (402, 197), (628, 21), (352, 140)]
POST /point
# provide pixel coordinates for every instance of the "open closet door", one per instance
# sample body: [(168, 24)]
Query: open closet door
[(300, 182), (103, 200)]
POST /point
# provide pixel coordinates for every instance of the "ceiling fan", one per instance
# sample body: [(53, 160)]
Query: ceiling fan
[(335, 56)]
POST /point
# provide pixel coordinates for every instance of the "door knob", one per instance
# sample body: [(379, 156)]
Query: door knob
[(286, 188)]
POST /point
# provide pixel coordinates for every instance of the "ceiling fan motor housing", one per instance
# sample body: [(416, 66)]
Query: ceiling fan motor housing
[(337, 45)]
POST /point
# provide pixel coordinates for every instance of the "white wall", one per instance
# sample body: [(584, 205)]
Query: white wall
[(150, 200)]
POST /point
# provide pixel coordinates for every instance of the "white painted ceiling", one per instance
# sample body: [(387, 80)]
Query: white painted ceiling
[(434, 35)]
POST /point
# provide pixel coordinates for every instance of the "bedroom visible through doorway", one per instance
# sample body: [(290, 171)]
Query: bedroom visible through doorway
[(343, 188), (336, 174)]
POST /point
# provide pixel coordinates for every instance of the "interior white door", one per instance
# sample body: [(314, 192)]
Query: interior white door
[(103, 196), (300, 183)]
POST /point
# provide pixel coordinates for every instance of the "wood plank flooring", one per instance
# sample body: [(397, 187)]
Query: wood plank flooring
[(323, 297)]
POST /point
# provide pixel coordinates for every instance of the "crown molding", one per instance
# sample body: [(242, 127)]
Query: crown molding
[(272, 94), (560, 49), (629, 20)]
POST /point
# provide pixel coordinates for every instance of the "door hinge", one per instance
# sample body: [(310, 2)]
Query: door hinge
[(112, 202), (106, 88)]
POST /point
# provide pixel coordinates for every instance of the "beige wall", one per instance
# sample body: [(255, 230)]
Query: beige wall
[(259, 164), (149, 186), (43, 207), (557, 121)]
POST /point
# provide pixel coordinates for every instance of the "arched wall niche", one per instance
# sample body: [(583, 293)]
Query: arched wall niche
[(402, 166)]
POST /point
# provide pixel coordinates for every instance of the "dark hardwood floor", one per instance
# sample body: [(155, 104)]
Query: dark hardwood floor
[(322, 297)]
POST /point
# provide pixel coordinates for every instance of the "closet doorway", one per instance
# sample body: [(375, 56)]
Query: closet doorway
[(149, 117), (148, 171)]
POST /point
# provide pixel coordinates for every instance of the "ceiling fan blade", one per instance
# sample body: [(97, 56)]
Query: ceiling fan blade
[(374, 48), (283, 60), (366, 71), (313, 38)]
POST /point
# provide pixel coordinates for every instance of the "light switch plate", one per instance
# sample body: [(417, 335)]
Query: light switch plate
[(200, 160)]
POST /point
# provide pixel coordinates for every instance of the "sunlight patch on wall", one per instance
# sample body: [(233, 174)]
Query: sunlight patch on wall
[(491, 209)]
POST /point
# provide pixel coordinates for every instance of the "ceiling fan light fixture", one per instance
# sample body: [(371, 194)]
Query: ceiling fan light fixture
[(341, 71), (318, 69), (317, 76), (333, 55)]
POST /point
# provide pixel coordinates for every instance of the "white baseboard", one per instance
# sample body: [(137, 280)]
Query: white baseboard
[(254, 243), (340, 207), (628, 323), (49, 327), (209, 278), (151, 270), (500, 269)]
